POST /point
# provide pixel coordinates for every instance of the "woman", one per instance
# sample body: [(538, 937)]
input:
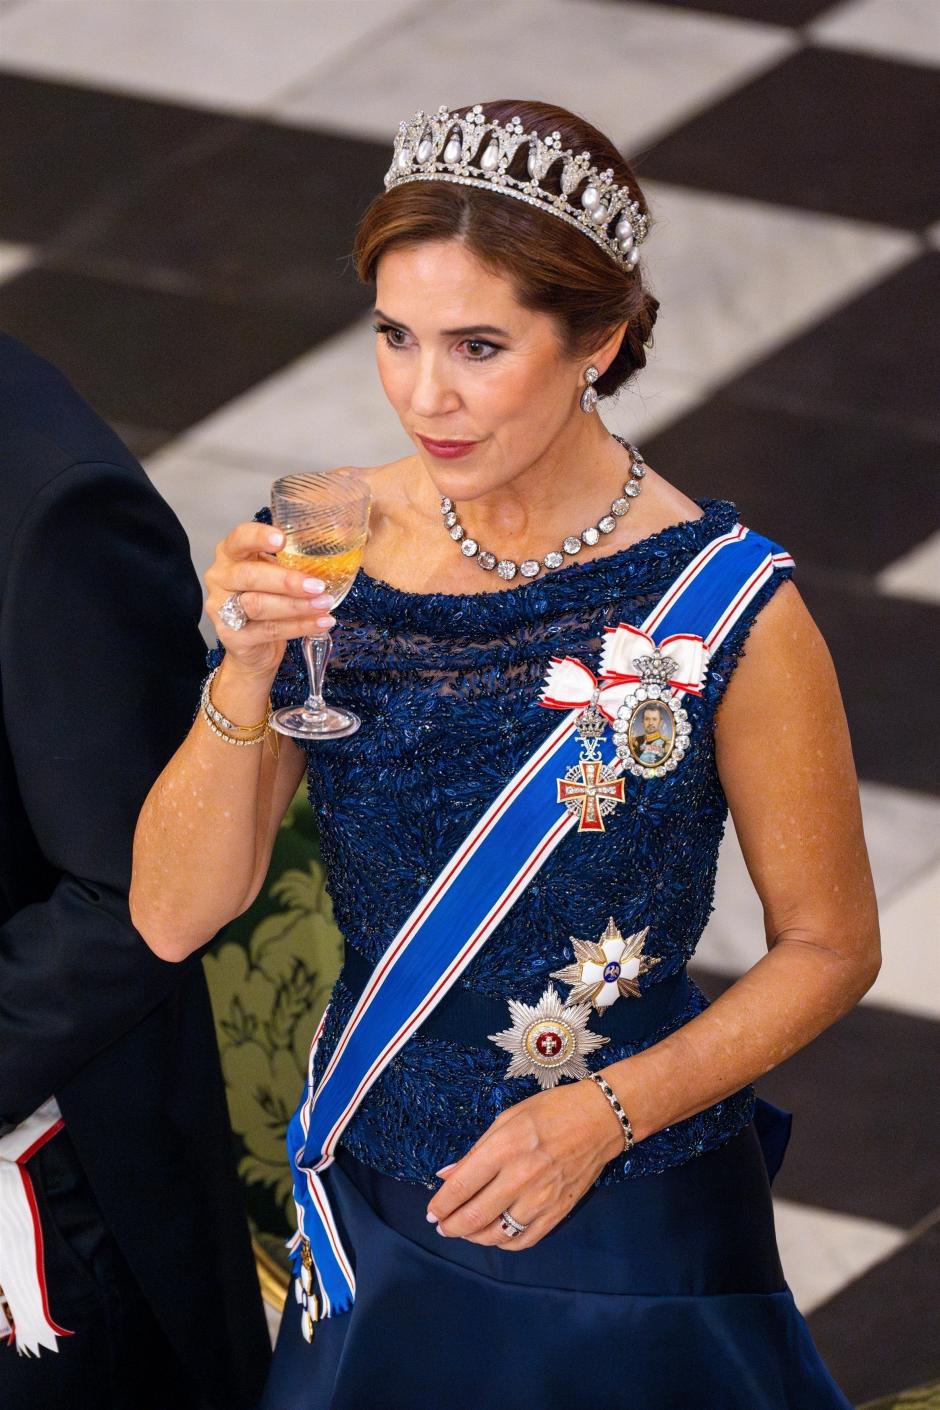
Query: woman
[(474, 1227)]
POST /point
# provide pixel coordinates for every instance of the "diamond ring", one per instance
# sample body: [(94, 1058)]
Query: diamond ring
[(232, 614), (511, 1226)]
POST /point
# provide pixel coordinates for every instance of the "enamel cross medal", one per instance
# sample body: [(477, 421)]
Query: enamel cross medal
[(607, 969), (591, 789)]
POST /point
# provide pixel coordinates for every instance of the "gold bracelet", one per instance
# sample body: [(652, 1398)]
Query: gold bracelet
[(214, 714), (246, 741)]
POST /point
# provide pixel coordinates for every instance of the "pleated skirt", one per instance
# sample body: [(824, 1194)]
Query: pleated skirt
[(663, 1292)]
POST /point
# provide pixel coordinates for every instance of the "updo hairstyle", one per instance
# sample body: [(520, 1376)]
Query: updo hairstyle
[(552, 268)]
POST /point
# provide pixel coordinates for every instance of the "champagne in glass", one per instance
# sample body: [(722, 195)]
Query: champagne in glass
[(325, 521)]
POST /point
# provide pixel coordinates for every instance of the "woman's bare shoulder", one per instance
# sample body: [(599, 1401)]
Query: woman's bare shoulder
[(786, 667)]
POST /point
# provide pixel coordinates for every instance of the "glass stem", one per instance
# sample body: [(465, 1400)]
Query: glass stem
[(316, 651)]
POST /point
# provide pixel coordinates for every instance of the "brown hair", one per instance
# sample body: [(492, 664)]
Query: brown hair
[(553, 268)]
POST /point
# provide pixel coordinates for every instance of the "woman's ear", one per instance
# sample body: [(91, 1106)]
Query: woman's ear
[(609, 349)]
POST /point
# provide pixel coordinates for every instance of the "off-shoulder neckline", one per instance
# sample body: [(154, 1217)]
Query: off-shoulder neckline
[(712, 509)]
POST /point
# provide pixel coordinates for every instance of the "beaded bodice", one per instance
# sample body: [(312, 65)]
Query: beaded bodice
[(447, 688)]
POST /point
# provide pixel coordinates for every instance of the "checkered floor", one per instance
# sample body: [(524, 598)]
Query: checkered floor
[(180, 182)]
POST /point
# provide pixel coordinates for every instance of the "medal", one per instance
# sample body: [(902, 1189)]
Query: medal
[(640, 694), (651, 731), (548, 1040), (651, 728), (303, 1292), (607, 969), (591, 789)]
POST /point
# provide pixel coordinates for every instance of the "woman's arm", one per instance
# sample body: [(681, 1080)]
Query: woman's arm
[(205, 834), (785, 763), (786, 766)]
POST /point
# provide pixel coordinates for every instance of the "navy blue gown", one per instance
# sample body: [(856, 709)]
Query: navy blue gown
[(662, 1289)]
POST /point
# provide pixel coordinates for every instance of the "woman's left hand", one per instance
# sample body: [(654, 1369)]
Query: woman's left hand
[(536, 1160)]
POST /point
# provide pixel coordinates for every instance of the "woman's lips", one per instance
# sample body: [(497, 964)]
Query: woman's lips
[(448, 450)]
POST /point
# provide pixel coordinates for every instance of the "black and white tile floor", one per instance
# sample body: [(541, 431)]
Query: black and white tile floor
[(179, 182)]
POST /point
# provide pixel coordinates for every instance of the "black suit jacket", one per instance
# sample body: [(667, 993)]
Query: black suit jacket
[(100, 664)]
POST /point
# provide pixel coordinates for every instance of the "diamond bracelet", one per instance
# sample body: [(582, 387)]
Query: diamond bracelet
[(621, 1115), (224, 728), (230, 738)]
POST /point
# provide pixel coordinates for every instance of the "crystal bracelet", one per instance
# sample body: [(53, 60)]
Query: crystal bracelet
[(621, 1115)]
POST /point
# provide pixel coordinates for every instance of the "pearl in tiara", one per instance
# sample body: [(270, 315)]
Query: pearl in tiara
[(471, 151)]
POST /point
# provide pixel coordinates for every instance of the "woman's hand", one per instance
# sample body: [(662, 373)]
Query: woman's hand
[(281, 602), (536, 1160)]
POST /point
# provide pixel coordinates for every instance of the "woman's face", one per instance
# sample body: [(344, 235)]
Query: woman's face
[(461, 360)]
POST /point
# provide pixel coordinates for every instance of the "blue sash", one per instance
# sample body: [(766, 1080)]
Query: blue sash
[(470, 897)]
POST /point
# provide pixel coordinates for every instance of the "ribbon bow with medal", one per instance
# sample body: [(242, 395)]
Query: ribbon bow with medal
[(639, 692)]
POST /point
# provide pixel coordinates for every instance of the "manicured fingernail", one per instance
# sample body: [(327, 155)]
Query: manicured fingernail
[(440, 1231), (276, 539), (444, 1168), (324, 600), (313, 585), (431, 1218), (327, 621)]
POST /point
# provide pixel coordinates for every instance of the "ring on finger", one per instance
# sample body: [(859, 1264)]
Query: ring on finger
[(510, 1226), (232, 614)]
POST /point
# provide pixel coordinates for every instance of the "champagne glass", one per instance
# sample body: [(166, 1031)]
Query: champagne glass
[(325, 521)]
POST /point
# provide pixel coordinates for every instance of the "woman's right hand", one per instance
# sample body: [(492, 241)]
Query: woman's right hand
[(281, 603)]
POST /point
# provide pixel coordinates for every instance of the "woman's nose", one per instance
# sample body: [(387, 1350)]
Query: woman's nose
[(431, 392)]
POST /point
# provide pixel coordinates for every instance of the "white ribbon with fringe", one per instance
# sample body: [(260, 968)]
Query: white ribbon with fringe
[(22, 1267)]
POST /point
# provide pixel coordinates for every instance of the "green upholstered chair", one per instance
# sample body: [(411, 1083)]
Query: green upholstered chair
[(270, 977), (921, 1398)]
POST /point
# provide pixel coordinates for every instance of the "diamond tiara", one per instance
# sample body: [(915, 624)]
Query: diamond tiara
[(443, 147)]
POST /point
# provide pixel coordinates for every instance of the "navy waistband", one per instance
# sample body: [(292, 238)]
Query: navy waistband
[(464, 1016)]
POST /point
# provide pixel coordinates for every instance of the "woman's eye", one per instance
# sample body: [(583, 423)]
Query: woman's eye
[(387, 328), (474, 345), (478, 343)]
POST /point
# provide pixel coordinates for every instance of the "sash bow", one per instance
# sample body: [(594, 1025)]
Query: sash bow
[(682, 660), (570, 685), (684, 656)]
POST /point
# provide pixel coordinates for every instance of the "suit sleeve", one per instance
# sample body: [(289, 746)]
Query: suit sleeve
[(101, 660)]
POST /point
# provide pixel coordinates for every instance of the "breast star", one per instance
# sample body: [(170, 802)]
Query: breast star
[(606, 969), (548, 1040)]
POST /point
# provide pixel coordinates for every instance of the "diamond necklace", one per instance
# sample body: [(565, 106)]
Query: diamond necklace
[(531, 567)]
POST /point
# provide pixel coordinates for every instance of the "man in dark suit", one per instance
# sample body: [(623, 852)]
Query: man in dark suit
[(145, 1250)]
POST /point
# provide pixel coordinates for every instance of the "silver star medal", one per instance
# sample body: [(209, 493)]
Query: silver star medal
[(548, 1040), (604, 971)]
